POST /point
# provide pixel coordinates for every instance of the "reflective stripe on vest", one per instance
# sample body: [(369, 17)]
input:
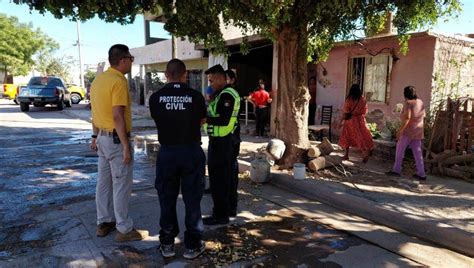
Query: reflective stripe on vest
[(222, 131)]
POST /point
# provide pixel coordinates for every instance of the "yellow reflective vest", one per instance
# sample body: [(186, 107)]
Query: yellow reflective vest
[(222, 131)]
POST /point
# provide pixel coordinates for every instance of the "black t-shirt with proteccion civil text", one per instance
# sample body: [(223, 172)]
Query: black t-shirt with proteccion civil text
[(178, 110)]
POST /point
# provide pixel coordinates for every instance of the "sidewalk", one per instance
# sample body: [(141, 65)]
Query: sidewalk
[(439, 210)]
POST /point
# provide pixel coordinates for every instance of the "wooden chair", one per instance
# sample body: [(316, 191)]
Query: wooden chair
[(326, 118)]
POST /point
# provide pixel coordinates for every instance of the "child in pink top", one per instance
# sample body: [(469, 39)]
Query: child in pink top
[(410, 134)]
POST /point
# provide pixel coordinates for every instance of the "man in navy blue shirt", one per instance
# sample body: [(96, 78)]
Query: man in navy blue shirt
[(179, 112)]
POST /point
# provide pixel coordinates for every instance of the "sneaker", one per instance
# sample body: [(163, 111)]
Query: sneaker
[(194, 253), (133, 235), (212, 220), (105, 228), (167, 250), (416, 176), (392, 173)]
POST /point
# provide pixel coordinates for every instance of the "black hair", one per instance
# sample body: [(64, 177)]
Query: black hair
[(116, 53), (410, 93), (312, 77), (216, 69), (231, 74), (175, 69), (354, 92)]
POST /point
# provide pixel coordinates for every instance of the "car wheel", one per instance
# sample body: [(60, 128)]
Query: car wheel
[(75, 98), (60, 105), (24, 106)]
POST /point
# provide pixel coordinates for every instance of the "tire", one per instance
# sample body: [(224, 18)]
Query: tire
[(24, 106), (75, 98), (60, 105)]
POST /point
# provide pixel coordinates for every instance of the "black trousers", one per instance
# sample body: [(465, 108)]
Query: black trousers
[(221, 165), (180, 167), (262, 118), (234, 179), (312, 113)]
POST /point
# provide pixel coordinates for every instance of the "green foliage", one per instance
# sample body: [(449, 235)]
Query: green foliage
[(57, 66), (393, 126), (373, 130), (18, 43), (89, 76), (325, 21)]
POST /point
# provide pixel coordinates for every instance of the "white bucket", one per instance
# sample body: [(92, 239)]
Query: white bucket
[(299, 171)]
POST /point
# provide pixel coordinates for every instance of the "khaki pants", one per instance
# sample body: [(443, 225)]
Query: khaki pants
[(114, 185)]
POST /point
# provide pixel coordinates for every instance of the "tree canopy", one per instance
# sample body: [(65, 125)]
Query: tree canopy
[(18, 44), (300, 29), (48, 64)]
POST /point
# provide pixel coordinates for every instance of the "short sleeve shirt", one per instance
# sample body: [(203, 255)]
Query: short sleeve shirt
[(178, 111), (414, 128), (260, 97), (109, 89)]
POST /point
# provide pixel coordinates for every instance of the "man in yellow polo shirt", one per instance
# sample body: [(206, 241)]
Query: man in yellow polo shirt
[(111, 125)]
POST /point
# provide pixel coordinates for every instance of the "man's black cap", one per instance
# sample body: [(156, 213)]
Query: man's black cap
[(216, 69)]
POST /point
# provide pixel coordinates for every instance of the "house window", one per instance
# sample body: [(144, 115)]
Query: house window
[(372, 74)]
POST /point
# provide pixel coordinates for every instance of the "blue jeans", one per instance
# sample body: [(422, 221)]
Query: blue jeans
[(180, 166)]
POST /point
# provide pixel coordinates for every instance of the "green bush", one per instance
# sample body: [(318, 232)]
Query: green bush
[(373, 130)]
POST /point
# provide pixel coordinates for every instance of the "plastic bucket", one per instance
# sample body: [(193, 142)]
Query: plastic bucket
[(299, 171)]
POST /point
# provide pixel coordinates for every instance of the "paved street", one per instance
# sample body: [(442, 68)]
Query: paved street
[(47, 211)]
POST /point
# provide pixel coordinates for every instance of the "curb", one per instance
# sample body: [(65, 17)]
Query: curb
[(430, 230)]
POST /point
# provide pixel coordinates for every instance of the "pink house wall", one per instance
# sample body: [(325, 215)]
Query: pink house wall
[(415, 68)]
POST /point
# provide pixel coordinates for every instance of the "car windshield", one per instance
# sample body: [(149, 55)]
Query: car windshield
[(45, 82)]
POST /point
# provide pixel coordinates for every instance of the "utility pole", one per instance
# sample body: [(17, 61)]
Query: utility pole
[(174, 42), (81, 73)]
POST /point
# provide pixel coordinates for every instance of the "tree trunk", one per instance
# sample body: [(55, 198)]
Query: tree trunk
[(6, 75), (291, 118)]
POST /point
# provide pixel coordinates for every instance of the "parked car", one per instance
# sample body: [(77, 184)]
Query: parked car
[(18, 89), (9, 91), (42, 90), (77, 93)]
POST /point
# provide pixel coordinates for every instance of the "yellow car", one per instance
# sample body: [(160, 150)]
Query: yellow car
[(77, 93), (9, 91)]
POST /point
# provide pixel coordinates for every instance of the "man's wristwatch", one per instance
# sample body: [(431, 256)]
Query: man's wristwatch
[(94, 136)]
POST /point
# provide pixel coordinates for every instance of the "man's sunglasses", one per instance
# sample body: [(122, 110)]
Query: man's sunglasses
[(132, 58)]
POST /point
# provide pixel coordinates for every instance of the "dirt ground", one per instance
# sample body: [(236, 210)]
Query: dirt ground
[(445, 199)]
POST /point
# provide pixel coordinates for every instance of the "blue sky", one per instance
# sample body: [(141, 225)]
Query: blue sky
[(97, 36)]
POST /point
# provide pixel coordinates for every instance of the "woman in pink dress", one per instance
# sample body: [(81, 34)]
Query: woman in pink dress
[(410, 134), (354, 129)]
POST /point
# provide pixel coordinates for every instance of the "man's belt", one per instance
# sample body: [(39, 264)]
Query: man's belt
[(109, 134)]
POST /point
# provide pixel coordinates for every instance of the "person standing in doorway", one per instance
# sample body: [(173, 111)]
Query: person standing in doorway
[(111, 126), (234, 180), (179, 111), (312, 101), (410, 134), (260, 99), (223, 111)]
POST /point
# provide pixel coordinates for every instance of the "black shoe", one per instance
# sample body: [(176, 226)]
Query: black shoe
[(212, 220), (392, 173), (167, 250), (416, 176), (194, 253), (207, 191)]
